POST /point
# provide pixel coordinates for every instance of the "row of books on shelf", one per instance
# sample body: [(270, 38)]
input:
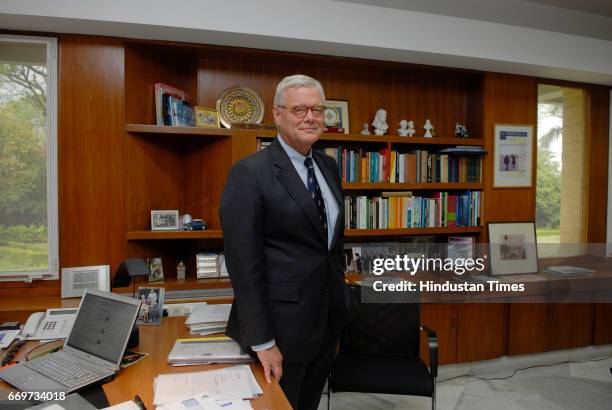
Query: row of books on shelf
[(171, 107), (359, 257), (395, 210), (461, 164)]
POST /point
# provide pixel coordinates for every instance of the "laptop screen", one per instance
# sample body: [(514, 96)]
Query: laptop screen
[(102, 327)]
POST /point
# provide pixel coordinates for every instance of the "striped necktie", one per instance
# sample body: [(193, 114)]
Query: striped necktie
[(315, 193)]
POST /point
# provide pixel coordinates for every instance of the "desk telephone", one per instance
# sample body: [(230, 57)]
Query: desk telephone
[(52, 324)]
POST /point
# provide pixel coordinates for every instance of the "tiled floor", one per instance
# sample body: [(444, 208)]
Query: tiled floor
[(573, 386)]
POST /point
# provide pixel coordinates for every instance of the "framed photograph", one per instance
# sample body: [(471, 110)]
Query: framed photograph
[(76, 280), (164, 220), (151, 306), (512, 248), (336, 116), (156, 269), (512, 163), (207, 117)]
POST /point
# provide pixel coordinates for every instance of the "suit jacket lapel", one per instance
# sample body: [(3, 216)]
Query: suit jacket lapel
[(292, 182), (331, 182)]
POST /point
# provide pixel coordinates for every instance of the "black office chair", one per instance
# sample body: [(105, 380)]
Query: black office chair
[(379, 353)]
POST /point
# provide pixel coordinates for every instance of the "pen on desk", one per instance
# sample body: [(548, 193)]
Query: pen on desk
[(139, 403)]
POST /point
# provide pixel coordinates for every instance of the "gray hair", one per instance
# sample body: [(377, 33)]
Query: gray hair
[(296, 81)]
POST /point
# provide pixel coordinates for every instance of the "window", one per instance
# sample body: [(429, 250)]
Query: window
[(28, 158), (560, 187)]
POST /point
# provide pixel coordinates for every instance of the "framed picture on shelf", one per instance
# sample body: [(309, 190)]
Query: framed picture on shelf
[(512, 248), (166, 220), (207, 117), (76, 280), (156, 269), (513, 155), (336, 116)]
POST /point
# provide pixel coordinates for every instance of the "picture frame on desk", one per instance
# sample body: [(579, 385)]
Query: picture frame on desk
[(75, 280), (512, 248), (164, 220), (151, 306), (336, 116), (513, 156)]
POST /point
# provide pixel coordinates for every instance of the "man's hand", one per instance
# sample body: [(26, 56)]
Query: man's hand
[(272, 362)]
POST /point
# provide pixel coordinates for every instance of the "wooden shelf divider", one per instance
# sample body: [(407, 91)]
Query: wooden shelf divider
[(164, 235), (411, 186), (368, 233)]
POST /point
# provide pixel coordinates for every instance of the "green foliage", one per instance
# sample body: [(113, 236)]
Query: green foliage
[(19, 257), (24, 233), (548, 193), (23, 150)]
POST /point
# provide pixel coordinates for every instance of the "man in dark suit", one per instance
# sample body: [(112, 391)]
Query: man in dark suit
[(283, 228)]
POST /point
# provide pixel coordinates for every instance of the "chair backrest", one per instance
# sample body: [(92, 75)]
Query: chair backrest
[(383, 329)]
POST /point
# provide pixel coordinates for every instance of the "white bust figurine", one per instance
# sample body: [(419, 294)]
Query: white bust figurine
[(428, 129), (411, 129), (380, 122), (403, 129), (365, 130)]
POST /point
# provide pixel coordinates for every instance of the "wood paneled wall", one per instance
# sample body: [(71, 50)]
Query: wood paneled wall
[(91, 151), (508, 99)]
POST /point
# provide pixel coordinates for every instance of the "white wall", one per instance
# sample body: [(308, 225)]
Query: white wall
[(327, 27)]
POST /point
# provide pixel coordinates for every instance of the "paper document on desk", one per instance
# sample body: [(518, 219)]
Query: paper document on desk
[(205, 401), (7, 337), (126, 405), (206, 351), (231, 383), (209, 314)]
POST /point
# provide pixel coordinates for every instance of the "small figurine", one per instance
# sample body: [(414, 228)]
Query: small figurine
[(461, 131), (380, 122), (403, 130), (428, 129), (365, 130), (411, 129), (180, 271)]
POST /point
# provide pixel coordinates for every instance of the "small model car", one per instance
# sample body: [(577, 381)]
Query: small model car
[(195, 225)]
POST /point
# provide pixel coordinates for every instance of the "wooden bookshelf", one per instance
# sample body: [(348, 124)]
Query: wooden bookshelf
[(389, 186), (370, 233), (165, 235), (164, 129)]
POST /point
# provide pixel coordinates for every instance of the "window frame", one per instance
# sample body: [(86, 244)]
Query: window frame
[(52, 163)]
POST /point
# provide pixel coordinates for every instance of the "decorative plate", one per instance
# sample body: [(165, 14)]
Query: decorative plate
[(240, 104)]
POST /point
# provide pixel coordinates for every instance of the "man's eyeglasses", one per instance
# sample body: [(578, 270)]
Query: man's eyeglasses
[(300, 111)]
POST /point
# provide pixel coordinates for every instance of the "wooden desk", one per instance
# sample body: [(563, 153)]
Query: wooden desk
[(158, 341)]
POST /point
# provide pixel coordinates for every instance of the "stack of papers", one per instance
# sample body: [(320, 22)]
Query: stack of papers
[(205, 401), (207, 350), (208, 319), (230, 384)]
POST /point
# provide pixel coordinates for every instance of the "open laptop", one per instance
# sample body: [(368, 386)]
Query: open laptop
[(92, 351)]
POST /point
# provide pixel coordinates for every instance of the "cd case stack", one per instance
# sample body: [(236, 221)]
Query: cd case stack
[(210, 265)]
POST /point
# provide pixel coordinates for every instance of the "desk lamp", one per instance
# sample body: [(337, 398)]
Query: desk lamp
[(127, 272)]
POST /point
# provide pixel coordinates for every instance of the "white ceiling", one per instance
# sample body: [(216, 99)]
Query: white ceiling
[(507, 36), (589, 18)]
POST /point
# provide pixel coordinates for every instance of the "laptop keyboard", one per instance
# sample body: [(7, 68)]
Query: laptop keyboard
[(67, 373)]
